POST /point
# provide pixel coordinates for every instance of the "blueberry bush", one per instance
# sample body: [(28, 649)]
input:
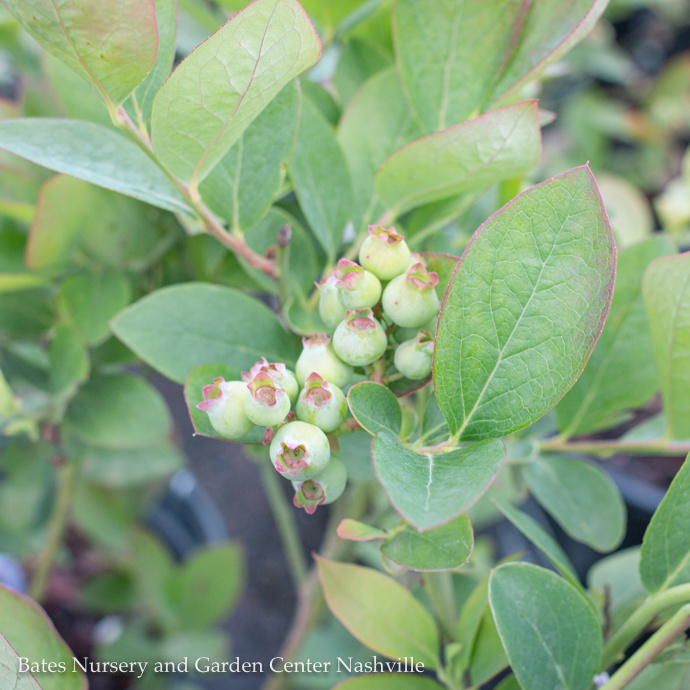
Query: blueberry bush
[(335, 226)]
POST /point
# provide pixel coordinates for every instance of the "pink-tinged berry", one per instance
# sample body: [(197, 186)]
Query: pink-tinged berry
[(413, 358), (224, 404), (322, 404), (360, 339), (357, 288), (319, 356), (300, 451), (410, 300), (266, 404), (281, 375), (323, 489), (331, 309), (384, 252)]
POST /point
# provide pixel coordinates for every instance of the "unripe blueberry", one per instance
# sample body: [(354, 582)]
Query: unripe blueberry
[(323, 489), (357, 288), (331, 309), (360, 339), (413, 357), (300, 450), (224, 404), (318, 355), (410, 300), (385, 253), (322, 403), (281, 375), (266, 404)]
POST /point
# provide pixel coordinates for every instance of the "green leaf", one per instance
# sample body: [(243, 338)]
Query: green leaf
[(379, 612), (665, 556), (193, 393), (223, 85), (181, 327), (524, 308), (27, 628), (389, 681), (375, 408), (119, 411), (92, 153), (605, 388), (488, 656), (112, 44), (549, 631), (241, 187), (467, 157), (321, 178), (531, 529), (457, 57), (358, 531), (207, 585), (10, 677), (89, 300), (444, 266), (443, 548), (582, 498), (430, 490), (377, 122), (667, 298), (358, 61), (69, 360), (671, 675)]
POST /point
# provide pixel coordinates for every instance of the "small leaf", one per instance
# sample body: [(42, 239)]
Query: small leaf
[(389, 681), (10, 677), (549, 631), (430, 490), (379, 612), (666, 290), (581, 498), (321, 178), (375, 408), (28, 629), (223, 85), (358, 531), (92, 153), (605, 388), (464, 158), (443, 548), (69, 361), (524, 308), (111, 44), (665, 556), (181, 327)]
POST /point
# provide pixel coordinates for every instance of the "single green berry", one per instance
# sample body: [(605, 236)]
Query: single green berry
[(357, 288), (384, 252), (410, 300), (413, 358), (300, 450), (331, 309), (281, 375), (360, 339), (266, 404), (224, 404), (318, 355), (321, 403), (322, 489)]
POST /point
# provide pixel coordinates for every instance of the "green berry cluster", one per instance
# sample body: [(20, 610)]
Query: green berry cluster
[(370, 308)]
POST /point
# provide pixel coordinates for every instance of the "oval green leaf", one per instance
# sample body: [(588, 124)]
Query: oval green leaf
[(430, 490), (524, 308), (548, 629), (375, 408), (379, 612), (358, 531)]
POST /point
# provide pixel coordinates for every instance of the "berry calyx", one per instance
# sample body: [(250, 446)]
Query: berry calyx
[(266, 404), (360, 339), (357, 287), (319, 356), (384, 252), (224, 404), (413, 358), (323, 489), (331, 309), (281, 375), (322, 403), (410, 300), (300, 450)]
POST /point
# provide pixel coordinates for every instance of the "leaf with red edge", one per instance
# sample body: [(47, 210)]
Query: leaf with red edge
[(358, 531)]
